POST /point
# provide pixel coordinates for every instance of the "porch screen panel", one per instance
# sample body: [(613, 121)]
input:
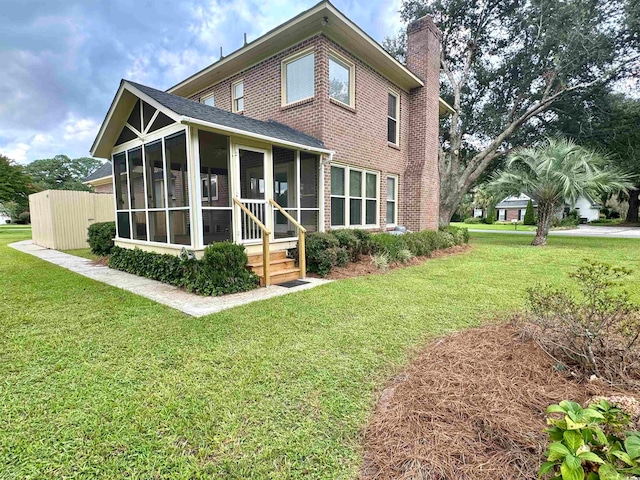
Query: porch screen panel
[(176, 158), (158, 226), (139, 225), (121, 181), (215, 198), (123, 223), (155, 175), (136, 179), (309, 191), (285, 191), (180, 227)]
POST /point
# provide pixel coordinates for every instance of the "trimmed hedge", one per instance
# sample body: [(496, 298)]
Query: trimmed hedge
[(101, 237), (222, 269), (328, 250)]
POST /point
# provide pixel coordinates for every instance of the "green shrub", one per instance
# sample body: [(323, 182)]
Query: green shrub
[(389, 244), (590, 443), (324, 252), (348, 240), (405, 255), (460, 235), (101, 237), (221, 270), (421, 244), (472, 220), (24, 218), (529, 215), (365, 240), (490, 216)]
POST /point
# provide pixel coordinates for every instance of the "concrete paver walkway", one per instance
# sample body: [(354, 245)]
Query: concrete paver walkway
[(189, 303)]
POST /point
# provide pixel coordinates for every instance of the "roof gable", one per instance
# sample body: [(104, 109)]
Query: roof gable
[(182, 110)]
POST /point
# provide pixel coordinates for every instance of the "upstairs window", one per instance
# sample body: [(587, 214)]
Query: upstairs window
[(209, 100), (341, 80), (298, 78), (392, 118), (237, 90)]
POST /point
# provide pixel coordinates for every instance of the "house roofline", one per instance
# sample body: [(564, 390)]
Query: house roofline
[(182, 88), (236, 131)]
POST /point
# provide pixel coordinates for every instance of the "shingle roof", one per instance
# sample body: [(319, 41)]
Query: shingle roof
[(200, 111), (104, 170), (515, 204)]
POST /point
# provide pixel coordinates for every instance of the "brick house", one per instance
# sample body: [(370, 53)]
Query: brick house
[(313, 126), (101, 179)]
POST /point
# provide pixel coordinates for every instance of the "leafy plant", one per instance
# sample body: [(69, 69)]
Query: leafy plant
[(101, 237), (472, 220), (385, 243), (596, 331), (590, 443), (404, 255), (222, 270), (380, 260)]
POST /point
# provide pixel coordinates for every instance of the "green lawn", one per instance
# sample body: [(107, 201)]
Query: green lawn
[(100, 383), (495, 226)]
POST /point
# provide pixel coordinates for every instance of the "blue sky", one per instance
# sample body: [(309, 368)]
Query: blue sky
[(63, 60)]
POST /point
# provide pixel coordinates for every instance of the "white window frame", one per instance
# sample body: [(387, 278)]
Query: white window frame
[(283, 75), (234, 99), (395, 201), (349, 65), (211, 96), (162, 133), (208, 182), (347, 198), (397, 119)]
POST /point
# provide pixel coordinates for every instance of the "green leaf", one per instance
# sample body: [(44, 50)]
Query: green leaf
[(570, 406), (593, 476), (573, 440), (590, 457), (632, 445), (591, 413), (557, 451), (624, 456), (572, 461), (600, 436), (571, 425), (569, 473), (607, 472), (545, 468), (556, 409)]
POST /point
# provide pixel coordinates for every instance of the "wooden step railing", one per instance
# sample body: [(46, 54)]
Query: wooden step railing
[(266, 234), (302, 259)]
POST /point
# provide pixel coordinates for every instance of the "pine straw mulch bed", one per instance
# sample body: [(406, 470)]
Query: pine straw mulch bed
[(470, 406), (365, 267)]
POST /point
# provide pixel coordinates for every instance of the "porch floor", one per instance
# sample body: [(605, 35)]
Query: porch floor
[(189, 303)]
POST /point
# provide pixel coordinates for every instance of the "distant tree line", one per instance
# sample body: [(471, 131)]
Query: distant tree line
[(17, 181)]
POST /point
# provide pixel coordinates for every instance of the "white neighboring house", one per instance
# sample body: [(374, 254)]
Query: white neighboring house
[(515, 206), (4, 219)]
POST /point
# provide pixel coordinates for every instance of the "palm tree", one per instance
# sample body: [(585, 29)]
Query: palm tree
[(553, 173)]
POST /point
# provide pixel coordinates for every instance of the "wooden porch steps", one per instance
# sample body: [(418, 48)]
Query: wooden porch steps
[(282, 269)]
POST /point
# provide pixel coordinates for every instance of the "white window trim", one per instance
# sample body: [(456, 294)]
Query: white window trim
[(207, 97), (352, 78), (283, 75), (397, 119), (208, 178), (166, 209), (233, 95), (347, 198), (395, 202)]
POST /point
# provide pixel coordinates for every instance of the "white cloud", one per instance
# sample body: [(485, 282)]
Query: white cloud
[(17, 151)]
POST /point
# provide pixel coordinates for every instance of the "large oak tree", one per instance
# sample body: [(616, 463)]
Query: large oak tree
[(504, 65)]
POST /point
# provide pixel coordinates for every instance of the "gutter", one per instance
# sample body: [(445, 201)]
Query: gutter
[(201, 123)]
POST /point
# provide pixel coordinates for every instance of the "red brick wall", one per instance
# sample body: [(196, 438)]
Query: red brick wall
[(422, 187), (359, 135)]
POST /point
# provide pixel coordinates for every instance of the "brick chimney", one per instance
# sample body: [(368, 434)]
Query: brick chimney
[(422, 183)]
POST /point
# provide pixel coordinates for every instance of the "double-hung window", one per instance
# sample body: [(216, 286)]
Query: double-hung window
[(392, 200), (341, 80), (354, 197), (237, 90), (392, 118), (298, 77)]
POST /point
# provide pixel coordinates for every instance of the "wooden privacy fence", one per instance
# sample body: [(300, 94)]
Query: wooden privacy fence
[(60, 218)]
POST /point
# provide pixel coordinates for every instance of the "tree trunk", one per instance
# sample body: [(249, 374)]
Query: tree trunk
[(450, 197), (634, 203), (545, 216)]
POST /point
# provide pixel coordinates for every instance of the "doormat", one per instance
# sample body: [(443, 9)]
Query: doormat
[(292, 283)]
